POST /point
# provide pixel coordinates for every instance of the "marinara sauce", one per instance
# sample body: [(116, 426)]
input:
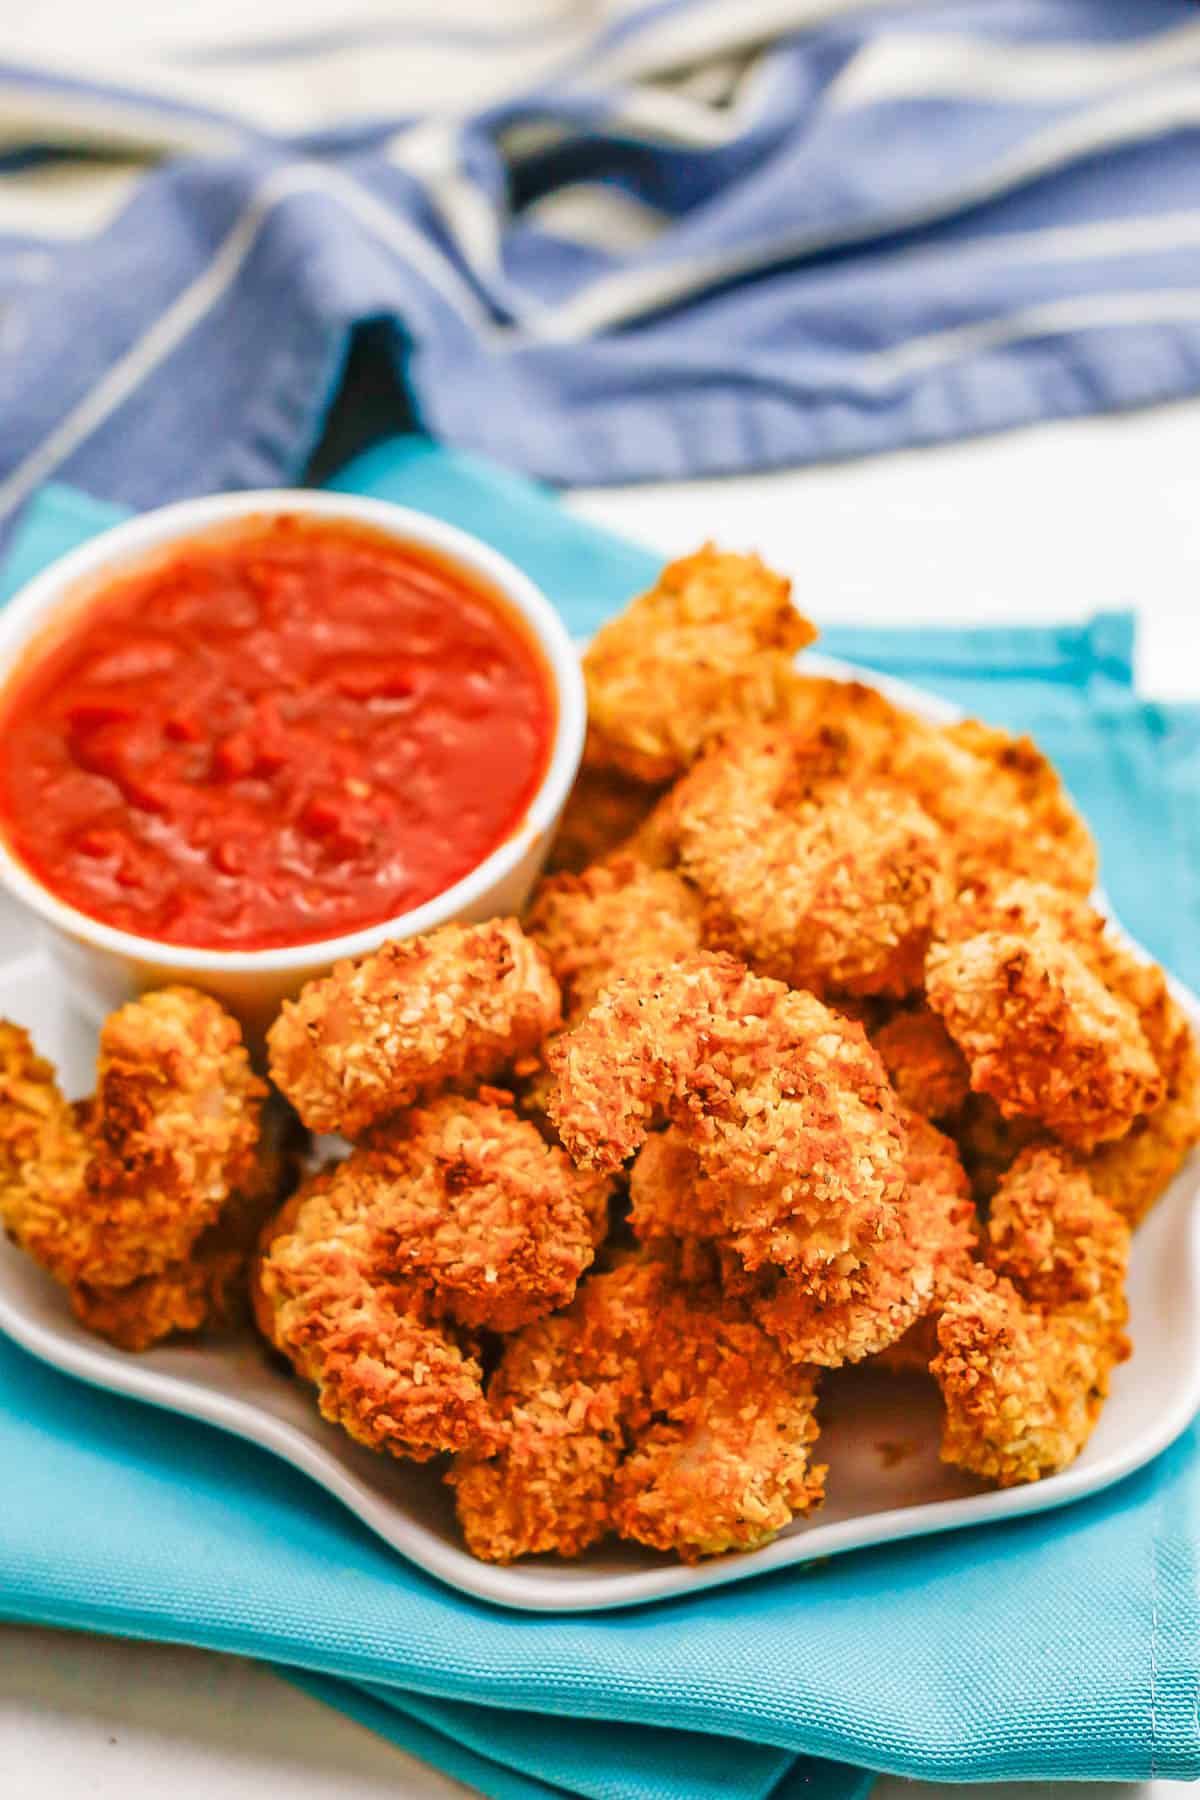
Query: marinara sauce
[(273, 737)]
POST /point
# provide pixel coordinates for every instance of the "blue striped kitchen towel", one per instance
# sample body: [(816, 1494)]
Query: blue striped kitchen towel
[(605, 241), (1064, 1645)]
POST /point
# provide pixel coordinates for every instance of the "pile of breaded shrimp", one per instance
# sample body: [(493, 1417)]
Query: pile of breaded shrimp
[(809, 1051)]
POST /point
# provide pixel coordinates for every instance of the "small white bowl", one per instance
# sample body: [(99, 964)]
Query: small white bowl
[(105, 967)]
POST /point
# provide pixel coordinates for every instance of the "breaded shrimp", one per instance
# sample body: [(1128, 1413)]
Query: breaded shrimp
[(607, 921), (784, 1104), (124, 1188), (925, 1065), (710, 645), (457, 1214), (835, 1318), (386, 1367), (471, 1201), (998, 799), (603, 809), (1018, 979), (659, 1414), (1027, 1345), (821, 882), (208, 1287), (1133, 1172), (375, 1035), (861, 718)]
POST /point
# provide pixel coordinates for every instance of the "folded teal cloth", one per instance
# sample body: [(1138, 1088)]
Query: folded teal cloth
[(1058, 1646)]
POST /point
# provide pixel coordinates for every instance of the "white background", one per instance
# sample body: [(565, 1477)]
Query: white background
[(1052, 523)]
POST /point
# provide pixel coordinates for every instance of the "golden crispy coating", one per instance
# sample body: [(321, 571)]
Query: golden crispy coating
[(566, 1391), (654, 843), (125, 1188), (603, 809), (457, 1214), (925, 1065), (207, 1288), (595, 926), (709, 646), (784, 1104), (1027, 1345), (1057, 1241), (663, 1416), (1132, 1173), (1018, 979), (671, 1197), (607, 921), (472, 1202), (820, 882), (375, 1035), (386, 1368), (859, 718), (833, 1317), (998, 799)]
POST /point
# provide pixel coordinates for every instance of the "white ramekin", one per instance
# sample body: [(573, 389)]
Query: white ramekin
[(103, 966)]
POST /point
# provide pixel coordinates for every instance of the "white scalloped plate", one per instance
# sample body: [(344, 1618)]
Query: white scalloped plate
[(879, 1434)]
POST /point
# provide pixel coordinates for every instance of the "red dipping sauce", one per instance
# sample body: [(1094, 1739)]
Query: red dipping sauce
[(283, 734)]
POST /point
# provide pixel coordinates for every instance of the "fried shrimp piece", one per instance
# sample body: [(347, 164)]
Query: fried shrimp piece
[(861, 718), (604, 808), (455, 1215), (834, 1318), (663, 1415), (377, 1034), (823, 883), (1132, 1173), (595, 926), (607, 921), (925, 1065), (709, 646), (122, 1189), (1018, 977), (471, 1201), (387, 1369), (1027, 1345), (208, 1287), (784, 1104), (998, 799)]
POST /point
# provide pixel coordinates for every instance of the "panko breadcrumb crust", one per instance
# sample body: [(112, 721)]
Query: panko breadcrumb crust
[(709, 645), (1031, 990), (136, 1199), (784, 1103), (459, 1004), (603, 810), (1028, 1342), (924, 1064), (646, 1410), (822, 882), (376, 1278)]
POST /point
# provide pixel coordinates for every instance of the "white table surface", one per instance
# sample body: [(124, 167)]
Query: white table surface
[(1051, 524)]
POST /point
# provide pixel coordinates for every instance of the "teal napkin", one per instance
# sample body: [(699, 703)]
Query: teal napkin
[(1060, 1646)]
